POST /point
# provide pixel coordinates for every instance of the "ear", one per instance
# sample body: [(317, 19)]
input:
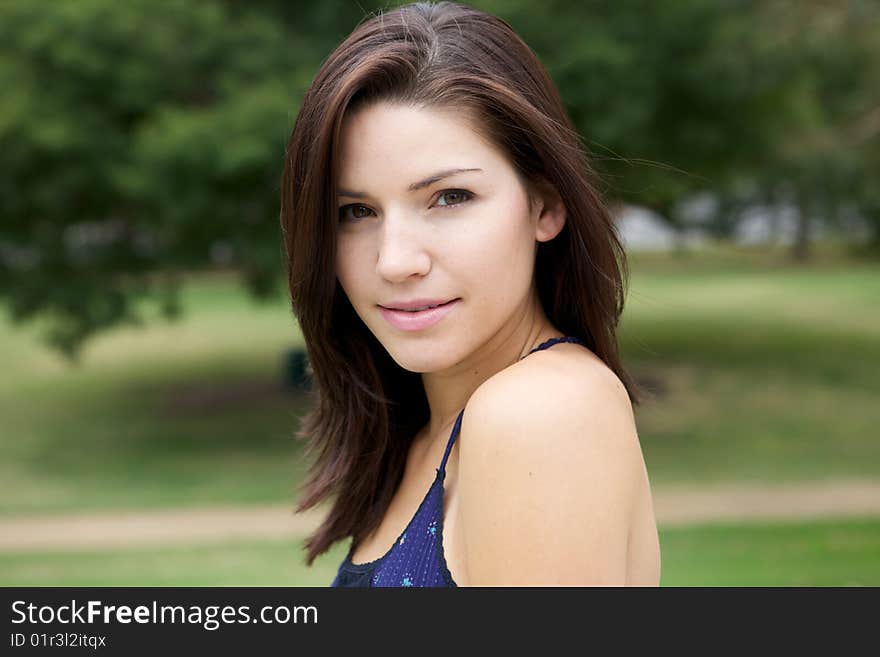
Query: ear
[(549, 210)]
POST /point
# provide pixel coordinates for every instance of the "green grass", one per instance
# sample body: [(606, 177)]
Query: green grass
[(828, 553), (762, 371), (819, 553), (177, 414), (267, 563), (757, 374)]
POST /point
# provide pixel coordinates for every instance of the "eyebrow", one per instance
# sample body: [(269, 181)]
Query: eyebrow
[(430, 180)]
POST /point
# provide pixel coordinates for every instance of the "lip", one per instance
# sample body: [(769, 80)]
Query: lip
[(415, 303), (420, 320)]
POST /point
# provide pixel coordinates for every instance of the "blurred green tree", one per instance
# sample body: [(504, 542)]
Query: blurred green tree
[(673, 97), (143, 139), (828, 162), (138, 140), (754, 101)]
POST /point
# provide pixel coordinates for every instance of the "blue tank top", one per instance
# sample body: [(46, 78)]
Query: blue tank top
[(416, 558)]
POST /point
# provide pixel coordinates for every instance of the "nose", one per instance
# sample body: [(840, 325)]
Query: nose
[(401, 249)]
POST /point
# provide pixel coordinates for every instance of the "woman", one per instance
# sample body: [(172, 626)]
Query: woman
[(447, 250)]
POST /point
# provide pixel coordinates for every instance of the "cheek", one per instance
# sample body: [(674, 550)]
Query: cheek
[(348, 269), (499, 245)]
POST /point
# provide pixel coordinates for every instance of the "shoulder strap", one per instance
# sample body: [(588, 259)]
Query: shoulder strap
[(552, 341), (455, 429)]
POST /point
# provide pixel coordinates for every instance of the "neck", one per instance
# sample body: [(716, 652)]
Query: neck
[(448, 390)]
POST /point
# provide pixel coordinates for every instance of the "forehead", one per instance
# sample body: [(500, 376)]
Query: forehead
[(383, 140)]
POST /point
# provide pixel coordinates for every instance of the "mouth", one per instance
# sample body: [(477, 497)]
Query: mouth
[(422, 309), (418, 320)]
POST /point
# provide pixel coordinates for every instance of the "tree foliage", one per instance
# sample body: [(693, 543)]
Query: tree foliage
[(143, 139)]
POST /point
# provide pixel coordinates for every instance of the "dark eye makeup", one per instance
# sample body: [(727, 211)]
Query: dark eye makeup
[(462, 194)]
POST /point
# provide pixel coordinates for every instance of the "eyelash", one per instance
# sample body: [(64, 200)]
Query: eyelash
[(468, 196)]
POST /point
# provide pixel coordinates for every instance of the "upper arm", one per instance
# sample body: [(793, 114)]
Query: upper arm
[(548, 475)]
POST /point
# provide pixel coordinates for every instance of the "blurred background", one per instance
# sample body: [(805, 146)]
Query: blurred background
[(151, 367)]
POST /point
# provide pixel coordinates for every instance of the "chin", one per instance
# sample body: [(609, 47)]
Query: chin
[(416, 357)]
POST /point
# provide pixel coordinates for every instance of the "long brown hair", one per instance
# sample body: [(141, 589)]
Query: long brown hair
[(367, 409)]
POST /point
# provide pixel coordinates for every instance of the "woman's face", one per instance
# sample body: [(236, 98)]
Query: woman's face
[(406, 233)]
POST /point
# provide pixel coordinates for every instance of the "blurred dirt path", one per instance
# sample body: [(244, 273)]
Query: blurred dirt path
[(674, 506)]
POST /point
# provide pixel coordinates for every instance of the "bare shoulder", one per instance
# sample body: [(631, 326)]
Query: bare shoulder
[(549, 471), (570, 385)]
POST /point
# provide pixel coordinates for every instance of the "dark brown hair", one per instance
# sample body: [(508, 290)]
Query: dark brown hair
[(367, 408)]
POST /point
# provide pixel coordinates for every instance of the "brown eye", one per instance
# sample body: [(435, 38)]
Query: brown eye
[(357, 211), (453, 197)]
